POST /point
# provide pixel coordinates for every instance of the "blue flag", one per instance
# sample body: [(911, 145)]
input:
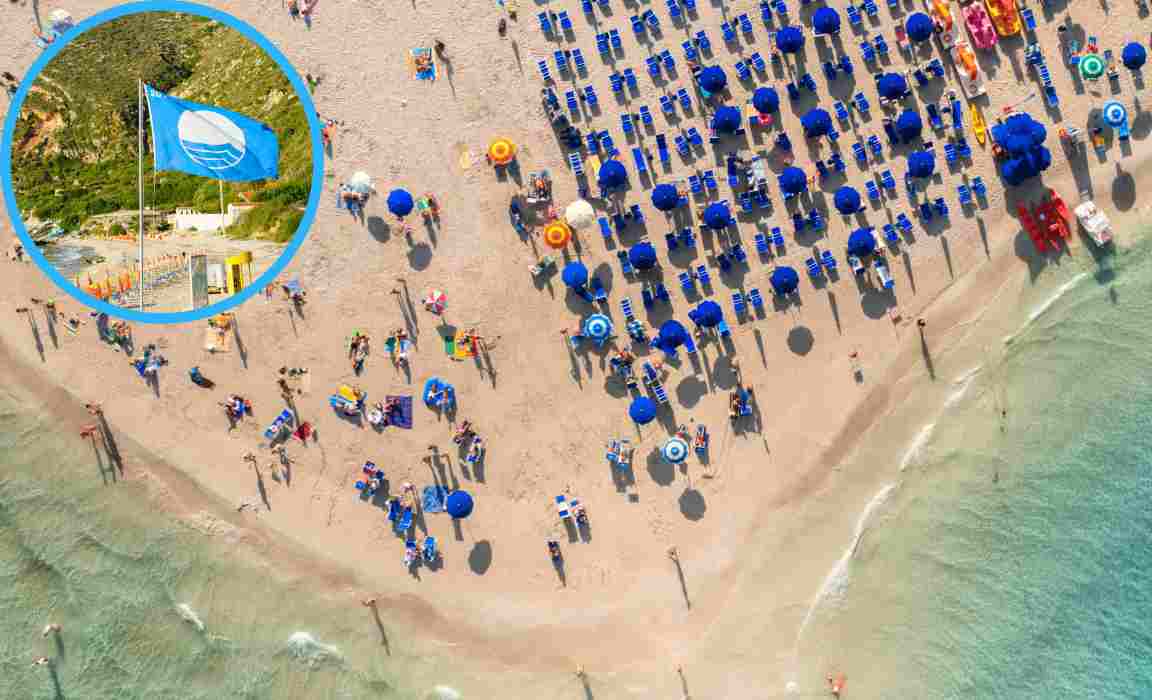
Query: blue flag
[(209, 141)]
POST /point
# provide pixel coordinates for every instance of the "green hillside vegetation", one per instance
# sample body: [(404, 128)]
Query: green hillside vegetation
[(75, 142)]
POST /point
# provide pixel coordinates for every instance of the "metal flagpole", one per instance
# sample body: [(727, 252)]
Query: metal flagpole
[(223, 226), (140, 177)]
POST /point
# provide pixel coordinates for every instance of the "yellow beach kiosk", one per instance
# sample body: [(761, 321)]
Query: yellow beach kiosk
[(239, 271)]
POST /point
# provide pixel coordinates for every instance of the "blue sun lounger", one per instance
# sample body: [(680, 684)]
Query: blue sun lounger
[(738, 304), (758, 62), (544, 72), (828, 261), (860, 154), (889, 182), (405, 523), (565, 21), (814, 270), (638, 27), (755, 299), (653, 64), (761, 242), (777, 237), (625, 263), (685, 99), (626, 309), (875, 146), (873, 191), (602, 45), (545, 23), (702, 276), (866, 51), (742, 71), (615, 40), (854, 17), (702, 42), (578, 61), (978, 187), (890, 234), (965, 195), (630, 78), (728, 32), (430, 553), (561, 61), (605, 227), (662, 149), (651, 20), (590, 96), (904, 223)]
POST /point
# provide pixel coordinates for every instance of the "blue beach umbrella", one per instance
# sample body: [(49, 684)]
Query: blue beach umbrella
[(1114, 113), (909, 125), (598, 327), (784, 280), (861, 242), (708, 314), (612, 174), (766, 100), (816, 122), (675, 450), (793, 180), (1134, 56), (642, 256), (713, 79), (671, 336), (919, 27), (847, 200), (921, 164), (1019, 134), (826, 21), (400, 202), (575, 275), (790, 39), (892, 86), (665, 197), (459, 504), (642, 410), (727, 120), (1027, 165), (717, 216)]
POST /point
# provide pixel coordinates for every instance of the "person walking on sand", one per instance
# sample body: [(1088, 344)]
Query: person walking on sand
[(50, 628), (369, 602)]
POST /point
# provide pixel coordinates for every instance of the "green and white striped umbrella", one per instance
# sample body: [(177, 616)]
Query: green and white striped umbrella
[(1091, 66)]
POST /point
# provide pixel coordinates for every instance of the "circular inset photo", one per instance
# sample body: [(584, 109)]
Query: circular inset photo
[(162, 164)]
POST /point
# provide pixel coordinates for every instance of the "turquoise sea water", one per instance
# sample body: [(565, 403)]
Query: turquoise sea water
[(152, 609), (1012, 560)]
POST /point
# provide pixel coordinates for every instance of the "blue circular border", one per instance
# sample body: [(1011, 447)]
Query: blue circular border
[(271, 273)]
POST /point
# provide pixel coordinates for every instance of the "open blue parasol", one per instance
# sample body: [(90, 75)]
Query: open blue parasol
[(400, 202), (642, 410), (717, 216), (665, 197), (921, 164), (727, 120), (847, 200), (784, 280), (919, 27), (862, 242), (790, 39), (459, 504), (642, 256), (826, 21), (793, 180), (766, 100), (575, 274), (713, 79)]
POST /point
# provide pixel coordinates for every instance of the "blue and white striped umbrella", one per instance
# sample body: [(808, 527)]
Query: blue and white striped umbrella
[(1115, 114), (674, 451), (598, 327)]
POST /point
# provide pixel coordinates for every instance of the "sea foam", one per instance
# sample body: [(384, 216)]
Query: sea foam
[(1056, 295), (917, 445)]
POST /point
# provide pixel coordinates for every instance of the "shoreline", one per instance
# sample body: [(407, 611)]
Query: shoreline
[(780, 507)]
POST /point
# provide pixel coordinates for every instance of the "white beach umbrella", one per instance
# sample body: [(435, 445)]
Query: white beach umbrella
[(580, 214), (361, 182), (61, 20), (675, 450)]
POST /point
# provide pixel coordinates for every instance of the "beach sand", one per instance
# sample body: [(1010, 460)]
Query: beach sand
[(757, 531)]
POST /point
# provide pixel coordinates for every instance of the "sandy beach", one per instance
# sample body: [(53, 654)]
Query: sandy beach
[(757, 531)]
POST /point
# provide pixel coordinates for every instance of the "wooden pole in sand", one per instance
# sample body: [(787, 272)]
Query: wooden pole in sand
[(140, 177)]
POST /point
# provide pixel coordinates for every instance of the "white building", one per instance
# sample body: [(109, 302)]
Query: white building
[(186, 219)]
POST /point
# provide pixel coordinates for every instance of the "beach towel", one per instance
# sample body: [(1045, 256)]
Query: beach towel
[(428, 73), (434, 498), (465, 346), (449, 346), (401, 417)]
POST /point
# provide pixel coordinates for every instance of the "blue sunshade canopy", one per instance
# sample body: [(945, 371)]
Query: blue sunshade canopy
[(400, 202), (575, 274), (919, 27), (785, 280), (847, 200), (862, 242)]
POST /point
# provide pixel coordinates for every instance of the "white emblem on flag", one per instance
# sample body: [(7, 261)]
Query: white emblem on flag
[(211, 139)]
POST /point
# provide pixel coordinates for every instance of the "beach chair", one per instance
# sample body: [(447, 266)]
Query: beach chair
[(702, 42), (653, 63), (565, 21), (723, 329), (857, 265), (833, 136), (963, 149), (667, 106), (816, 220), (888, 181), (694, 136), (920, 76), (674, 10), (860, 155), (660, 394), (625, 263), (1051, 97), (605, 228), (728, 32), (822, 169), (685, 99), (586, 6), (690, 53), (793, 90), (814, 271), (430, 554), (690, 6), (965, 195), (934, 119), (662, 149), (544, 72), (545, 23), (738, 304), (861, 102), (890, 234), (883, 273), (941, 207), (602, 45), (781, 8), (875, 146), (724, 262), (761, 242), (745, 200), (881, 45), (695, 185), (394, 510), (598, 291), (668, 61), (760, 197), (626, 123), (578, 61), (562, 508), (756, 300), (630, 79), (1029, 19), (870, 8), (757, 62), (687, 284), (626, 308), (828, 261), (590, 97), (646, 297), (829, 69), (873, 191), (573, 102), (638, 27), (637, 212), (777, 237), (950, 153), (687, 237), (846, 65), (738, 253), (925, 210), (681, 146), (904, 223), (745, 24), (617, 82), (807, 82), (799, 222), (405, 523), (615, 40), (866, 51), (765, 12), (561, 61), (709, 178), (854, 18), (651, 20), (576, 163), (979, 188), (742, 71), (608, 144), (703, 277)]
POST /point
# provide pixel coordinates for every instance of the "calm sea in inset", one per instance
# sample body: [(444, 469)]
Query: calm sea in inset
[(1011, 558)]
